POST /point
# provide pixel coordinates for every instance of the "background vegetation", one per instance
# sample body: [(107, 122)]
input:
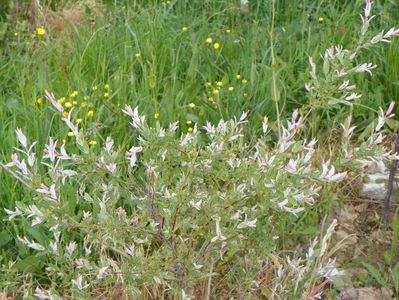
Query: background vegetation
[(187, 61)]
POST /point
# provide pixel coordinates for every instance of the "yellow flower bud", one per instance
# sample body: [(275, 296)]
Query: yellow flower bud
[(40, 31)]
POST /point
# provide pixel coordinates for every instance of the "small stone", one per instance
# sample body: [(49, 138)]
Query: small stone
[(376, 187)]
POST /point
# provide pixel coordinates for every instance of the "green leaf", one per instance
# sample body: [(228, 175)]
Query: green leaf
[(326, 67), (311, 230), (392, 124), (334, 101), (38, 235), (88, 198), (389, 255), (28, 264), (192, 117), (297, 147), (225, 80), (340, 282), (152, 79), (376, 274), (395, 271), (369, 129), (5, 237)]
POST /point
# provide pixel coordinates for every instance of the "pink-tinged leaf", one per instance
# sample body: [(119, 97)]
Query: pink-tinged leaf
[(53, 101)]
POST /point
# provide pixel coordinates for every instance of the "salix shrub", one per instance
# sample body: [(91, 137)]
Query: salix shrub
[(331, 86), (174, 212), (186, 215)]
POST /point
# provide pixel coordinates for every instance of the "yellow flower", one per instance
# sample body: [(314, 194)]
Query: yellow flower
[(189, 122), (106, 95), (70, 134), (231, 88), (75, 102), (74, 94), (156, 116), (65, 114), (210, 99), (208, 84), (93, 143), (184, 29), (64, 141), (15, 33), (79, 120), (215, 92), (39, 101), (94, 88), (216, 45), (192, 105), (244, 81), (238, 76), (68, 104), (61, 100), (321, 19), (209, 40), (227, 30), (83, 104), (107, 86), (190, 129), (40, 31), (137, 55), (219, 83), (90, 113)]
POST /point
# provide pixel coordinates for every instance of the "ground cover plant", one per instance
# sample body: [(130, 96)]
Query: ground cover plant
[(221, 182)]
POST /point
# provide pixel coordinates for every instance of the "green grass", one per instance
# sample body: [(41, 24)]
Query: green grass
[(174, 67)]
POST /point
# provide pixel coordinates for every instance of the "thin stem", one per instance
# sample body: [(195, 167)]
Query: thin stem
[(16, 176), (275, 95), (208, 288), (391, 180)]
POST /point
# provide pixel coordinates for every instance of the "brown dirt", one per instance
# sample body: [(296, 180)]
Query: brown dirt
[(366, 293), (61, 20), (72, 16), (360, 226)]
